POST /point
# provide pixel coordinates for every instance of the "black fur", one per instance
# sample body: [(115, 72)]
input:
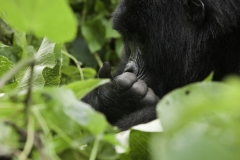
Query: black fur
[(168, 44)]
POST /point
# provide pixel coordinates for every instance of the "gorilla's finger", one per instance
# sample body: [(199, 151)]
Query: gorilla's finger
[(139, 88), (105, 71), (125, 81), (150, 98)]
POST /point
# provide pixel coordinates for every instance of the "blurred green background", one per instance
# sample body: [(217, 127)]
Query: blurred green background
[(88, 33), (43, 79)]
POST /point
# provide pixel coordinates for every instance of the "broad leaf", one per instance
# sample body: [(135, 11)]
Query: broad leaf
[(188, 103), (94, 33), (200, 119), (69, 111), (110, 33), (81, 88), (47, 67), (53, 18)]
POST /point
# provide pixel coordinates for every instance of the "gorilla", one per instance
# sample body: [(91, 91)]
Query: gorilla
[(167, 44)]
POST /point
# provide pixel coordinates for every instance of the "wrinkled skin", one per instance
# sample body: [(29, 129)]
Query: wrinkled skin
[(168, 44)]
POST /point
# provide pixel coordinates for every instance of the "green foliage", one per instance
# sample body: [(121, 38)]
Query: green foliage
[(38, 116), (34, 16), (47, 67), (200, 121), (138, 143), (41, 84), (81, 88), (5, 65), (96, 38), (90, 30), (13, 53)]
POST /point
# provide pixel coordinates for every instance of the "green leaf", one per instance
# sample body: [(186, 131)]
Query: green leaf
[(71, 154), (189, 103), (13, 53), (52, 75), (9, 87), (53, 19), (84, 115), (9, 109), (8, 140), (99, 7), (111, 33), (5, 29), (81, 88), (5, 65), (73, 72), (194, 142), (200, 119), (107, 152), (63, 106), (89, 73), (79, 48), (75, 1), (138, 145), (209, 78), (47, 67), (21, 41), (94, 33)]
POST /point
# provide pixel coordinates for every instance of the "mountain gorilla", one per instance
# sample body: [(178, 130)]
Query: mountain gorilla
[(168, 44)]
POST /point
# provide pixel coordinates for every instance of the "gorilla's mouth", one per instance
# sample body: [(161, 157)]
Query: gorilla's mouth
[(136, 64), (139, 70)]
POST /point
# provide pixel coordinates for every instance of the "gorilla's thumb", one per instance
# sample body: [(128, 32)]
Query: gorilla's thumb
[(105, 71)]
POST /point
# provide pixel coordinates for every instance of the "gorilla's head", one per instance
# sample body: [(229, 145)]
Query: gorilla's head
[(173, 43)]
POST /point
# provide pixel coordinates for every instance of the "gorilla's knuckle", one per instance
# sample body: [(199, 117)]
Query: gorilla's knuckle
[(125, 80), (139, 88), (150, 98)]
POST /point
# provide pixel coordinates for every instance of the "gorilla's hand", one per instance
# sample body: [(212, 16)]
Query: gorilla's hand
[(125, 94), (127, 83)]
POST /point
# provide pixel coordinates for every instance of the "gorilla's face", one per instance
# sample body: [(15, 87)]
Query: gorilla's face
[(150, 26), (152, 32), (179, 38)]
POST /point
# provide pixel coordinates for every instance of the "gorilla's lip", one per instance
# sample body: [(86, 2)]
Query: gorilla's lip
[(139, 70)]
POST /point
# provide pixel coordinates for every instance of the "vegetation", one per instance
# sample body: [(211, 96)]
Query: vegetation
[(41, 83)]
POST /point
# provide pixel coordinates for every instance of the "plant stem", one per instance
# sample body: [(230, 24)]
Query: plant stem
[(76, 62), (30, 139), (95, 149), (98, 59), (27, 100)]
